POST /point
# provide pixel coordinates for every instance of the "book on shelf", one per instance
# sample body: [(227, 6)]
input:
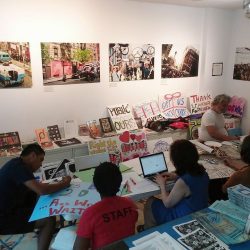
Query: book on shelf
[(83, 130), (67, 142), (43, 138), (10, 144), (54, 132), (94, 129)]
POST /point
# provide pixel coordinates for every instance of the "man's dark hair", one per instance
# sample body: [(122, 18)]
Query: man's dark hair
[(184, 156), (107, 179), (33, 148), (245, 150)]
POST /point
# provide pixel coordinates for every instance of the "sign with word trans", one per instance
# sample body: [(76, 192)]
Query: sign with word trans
[(122, 117), (200, 103), (173, 105)]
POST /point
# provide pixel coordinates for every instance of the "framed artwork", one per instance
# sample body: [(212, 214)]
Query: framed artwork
[(83, 130), (106, 125), (10, 144), (217, 69)]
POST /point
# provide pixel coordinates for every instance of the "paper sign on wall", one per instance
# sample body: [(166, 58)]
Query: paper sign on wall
[(133, 145), (200, 103), (236, 106), (173, 105), (146, 110), (122, 117)]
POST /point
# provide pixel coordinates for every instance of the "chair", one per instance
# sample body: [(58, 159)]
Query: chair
[(90, 161)]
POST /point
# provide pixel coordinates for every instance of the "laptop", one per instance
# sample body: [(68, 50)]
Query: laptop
[(153, 164)]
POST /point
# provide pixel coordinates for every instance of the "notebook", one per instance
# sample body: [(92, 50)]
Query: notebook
[(153, 164)]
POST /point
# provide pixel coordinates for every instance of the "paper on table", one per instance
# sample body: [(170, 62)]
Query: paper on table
[(204, 147)]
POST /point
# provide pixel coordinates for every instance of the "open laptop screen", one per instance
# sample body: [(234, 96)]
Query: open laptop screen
[(152, 164)]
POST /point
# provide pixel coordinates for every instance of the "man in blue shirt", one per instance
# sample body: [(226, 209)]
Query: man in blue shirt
[(18, 194)]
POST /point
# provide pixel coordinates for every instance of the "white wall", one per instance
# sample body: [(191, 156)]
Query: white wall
[(105, 21), (240, 38)]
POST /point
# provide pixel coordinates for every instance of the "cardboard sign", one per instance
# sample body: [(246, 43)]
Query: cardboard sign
[(173, 106), (110, 145), (200, 103), (122, 117), (133, 145), (146, 110), (236, 106), (72, 200)]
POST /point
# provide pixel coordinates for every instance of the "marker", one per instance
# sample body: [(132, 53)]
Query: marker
[(133, 181)]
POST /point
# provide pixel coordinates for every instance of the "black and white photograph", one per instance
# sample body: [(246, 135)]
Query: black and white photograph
[(200, 240), (242, 64)]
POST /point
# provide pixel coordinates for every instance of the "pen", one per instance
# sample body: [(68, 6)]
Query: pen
[(133, 181)]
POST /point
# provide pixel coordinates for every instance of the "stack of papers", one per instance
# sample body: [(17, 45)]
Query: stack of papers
[(156, 241), (230, 209), (240, 195)]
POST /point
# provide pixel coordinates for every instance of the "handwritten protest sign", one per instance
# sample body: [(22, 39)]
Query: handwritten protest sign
[(110, 145), (122, 117), (133, 145), (236, 106), (173, 105), (147, 110), (200, 103), (72, 200)]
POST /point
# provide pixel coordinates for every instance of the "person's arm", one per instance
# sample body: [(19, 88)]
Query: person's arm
[(235, 164), (232, 181), (179, 191), (45, 188), (81, 243), (213, 132)]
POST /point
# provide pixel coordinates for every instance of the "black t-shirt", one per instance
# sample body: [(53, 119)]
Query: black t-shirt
[(14, 195)]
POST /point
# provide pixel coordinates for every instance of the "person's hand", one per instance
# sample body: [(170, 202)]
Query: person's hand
[(66, 180), (160, 179), (169, 176)]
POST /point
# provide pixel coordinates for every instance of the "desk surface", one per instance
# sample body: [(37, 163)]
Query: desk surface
[(168, 227)]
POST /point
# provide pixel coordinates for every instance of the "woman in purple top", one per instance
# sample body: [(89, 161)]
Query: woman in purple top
[(189, 193)]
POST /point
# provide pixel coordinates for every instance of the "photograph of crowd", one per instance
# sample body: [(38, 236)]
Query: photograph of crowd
[(70, 63), (179, 61), (131, 62), (15, 67), (242, 64)]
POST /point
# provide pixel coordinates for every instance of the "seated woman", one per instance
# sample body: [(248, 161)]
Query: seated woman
[(190, 191), (242, 176)]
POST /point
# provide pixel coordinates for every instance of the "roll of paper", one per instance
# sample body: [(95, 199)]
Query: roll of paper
[(204, 147)]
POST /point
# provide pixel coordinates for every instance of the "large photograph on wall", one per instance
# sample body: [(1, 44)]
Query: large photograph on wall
[(131, 62), (242, 64), (70, 63), (15, 68), (179, 61)]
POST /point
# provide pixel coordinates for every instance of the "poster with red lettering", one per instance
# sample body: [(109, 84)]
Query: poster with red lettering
[(122, 117), (147, 110), (199, 104), (72, 200), (236, 106), (133, 145)]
